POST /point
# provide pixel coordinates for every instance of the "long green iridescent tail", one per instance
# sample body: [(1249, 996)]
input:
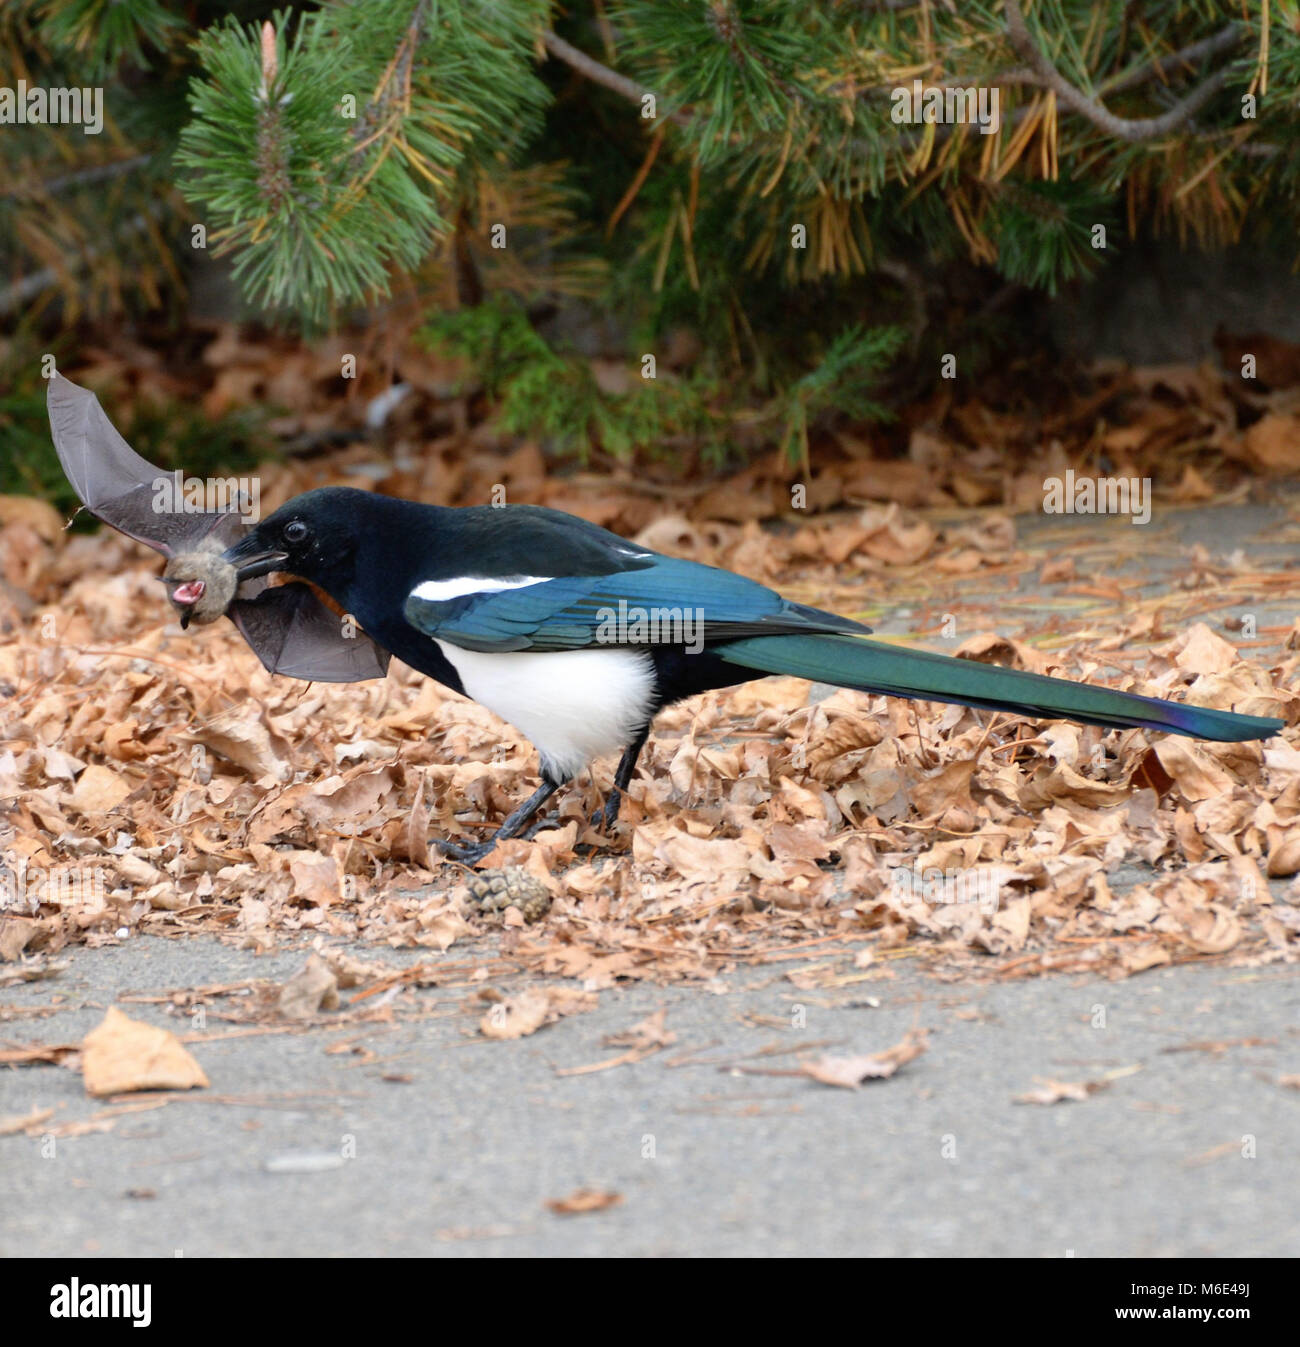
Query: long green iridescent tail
[(874, 666)]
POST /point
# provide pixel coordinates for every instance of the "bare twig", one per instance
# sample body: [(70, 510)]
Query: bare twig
[(592, 69), (80, 177), (1222, 41), (25, 288), (600, 74), (1122, 128)]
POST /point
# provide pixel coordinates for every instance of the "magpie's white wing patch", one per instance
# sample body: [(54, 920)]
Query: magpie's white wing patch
[(461, 586)]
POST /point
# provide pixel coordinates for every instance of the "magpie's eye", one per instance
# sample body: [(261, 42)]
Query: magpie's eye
[(296, 532)]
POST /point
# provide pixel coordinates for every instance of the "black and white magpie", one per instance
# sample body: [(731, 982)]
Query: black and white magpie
[(578, 637)]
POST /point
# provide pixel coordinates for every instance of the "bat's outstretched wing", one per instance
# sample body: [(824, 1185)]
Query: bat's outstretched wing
[(120, 487), (288, 628), (292, 632)]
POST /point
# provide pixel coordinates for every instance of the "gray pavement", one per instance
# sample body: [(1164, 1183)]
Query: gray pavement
[(1185, 1151)]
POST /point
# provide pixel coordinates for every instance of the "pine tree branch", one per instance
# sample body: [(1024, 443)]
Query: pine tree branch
[(601, 74), (592, 69), (1224, 40), (1129, 129), (81, 177), (28, 287), (396, 75)]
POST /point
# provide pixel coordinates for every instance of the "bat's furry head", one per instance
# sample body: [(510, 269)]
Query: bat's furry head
[(200, 585)]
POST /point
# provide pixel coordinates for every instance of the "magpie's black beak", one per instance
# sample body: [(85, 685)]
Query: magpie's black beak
[(251, 557)]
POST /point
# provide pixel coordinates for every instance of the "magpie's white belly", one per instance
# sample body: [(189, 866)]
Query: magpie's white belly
[(574, 705)]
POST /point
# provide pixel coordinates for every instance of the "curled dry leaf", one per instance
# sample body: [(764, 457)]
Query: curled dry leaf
[(98, 790), (1138, 958), (1049, 1091), (1201, 650), (313, 988), (645, 1034), (123, 1054), (441, 925), (519, 1016), (584, 1200), (242, 735), (850, 1072), (1283, 852)]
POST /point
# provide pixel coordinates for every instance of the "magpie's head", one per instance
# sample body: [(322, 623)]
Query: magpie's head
[(314, 536)]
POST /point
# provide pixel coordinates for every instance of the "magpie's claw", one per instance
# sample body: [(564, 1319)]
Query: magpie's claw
[(468, 853), (607, 815)]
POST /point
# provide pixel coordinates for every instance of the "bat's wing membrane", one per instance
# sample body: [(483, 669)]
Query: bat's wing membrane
[(288, 628), (121, 488), (293, 633)]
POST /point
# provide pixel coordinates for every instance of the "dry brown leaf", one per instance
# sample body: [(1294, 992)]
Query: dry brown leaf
[(647, 1033), (1283, 852), (584, 1200), (948, 787), (417, 828), (990, 648), (121, 1054), (1049, 1091), (524, 1014), (1194, 772), (1138, 958), (98, 790), (1212, 929), (1273, 444), (315, 877), (314, 987), (38, 515), (850, 1072), (1201, 650), (242, 736)]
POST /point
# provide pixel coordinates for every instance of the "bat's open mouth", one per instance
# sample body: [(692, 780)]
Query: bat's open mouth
[(190, 592), (251, 557)]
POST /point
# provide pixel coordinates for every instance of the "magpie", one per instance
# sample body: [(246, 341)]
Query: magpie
[(578, 637)]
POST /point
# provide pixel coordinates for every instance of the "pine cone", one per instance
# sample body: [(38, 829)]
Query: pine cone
[(496, 890)]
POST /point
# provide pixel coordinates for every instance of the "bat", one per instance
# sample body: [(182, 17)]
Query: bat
[(287, 626)]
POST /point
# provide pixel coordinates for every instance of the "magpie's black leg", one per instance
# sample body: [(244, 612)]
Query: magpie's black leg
[(607, 815), (515, 823)]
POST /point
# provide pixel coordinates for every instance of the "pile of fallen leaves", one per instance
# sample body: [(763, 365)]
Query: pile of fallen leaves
[(158, 781), (413, 423)]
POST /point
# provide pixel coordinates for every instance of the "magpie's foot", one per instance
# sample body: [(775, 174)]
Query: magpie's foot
[(607, 815), (540, 825), (468, 853)]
